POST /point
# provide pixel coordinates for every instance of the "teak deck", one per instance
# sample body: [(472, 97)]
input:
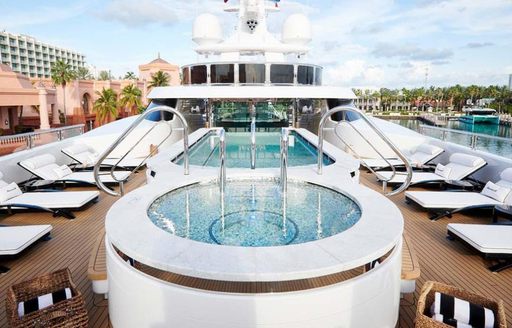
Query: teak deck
[(441, 260)]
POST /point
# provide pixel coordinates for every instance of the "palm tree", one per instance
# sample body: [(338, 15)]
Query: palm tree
[(104, 76), (82, 73), (131, 98), (62, 73), (130, 76), (159, 79), (106, 105)]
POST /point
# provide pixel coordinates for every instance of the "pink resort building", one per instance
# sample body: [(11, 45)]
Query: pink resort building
[(38, 103)]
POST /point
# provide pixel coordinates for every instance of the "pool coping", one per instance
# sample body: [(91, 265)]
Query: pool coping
[(378, 230)]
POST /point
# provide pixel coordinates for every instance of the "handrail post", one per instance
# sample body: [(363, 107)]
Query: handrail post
[(222, 173), (284, 161), (253, 143), (130, 129)]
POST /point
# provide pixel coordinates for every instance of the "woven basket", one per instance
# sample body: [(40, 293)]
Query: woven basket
[(68, 313), (423, 319)]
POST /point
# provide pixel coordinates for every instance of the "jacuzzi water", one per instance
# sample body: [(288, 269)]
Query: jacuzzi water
[(238, 150), (253, 213)]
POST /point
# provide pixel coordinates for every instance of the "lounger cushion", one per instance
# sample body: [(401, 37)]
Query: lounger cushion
[(38, 161), (10, 191), (81, 153), (466, 160), (495, 192), (489, 239), (62, 171), (15, 239), (54, 200), (428, 149), (450, 200), (506, 175), (443, 171)]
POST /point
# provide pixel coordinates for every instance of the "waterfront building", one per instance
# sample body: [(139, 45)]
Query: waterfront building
[(19, 96), (510, 82), (33, 58)]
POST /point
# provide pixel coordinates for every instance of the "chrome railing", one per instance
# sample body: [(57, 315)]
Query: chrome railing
[(222, 154), (253, 143), (354, 152), (125, 134), (473, 137), (284, 161), (379, 133), (33, 139)]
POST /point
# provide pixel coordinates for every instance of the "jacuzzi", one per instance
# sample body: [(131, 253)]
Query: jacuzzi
[(160, 275)]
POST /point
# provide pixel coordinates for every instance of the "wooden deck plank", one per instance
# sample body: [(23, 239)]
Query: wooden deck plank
[(440, 259)]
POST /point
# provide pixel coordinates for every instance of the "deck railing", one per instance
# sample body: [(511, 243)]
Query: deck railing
[(30, 140), (471, 139)]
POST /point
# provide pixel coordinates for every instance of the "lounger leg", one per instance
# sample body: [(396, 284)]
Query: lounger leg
[(47, 237), (438, 216), (65, 213), (500, 266), (4, 269)]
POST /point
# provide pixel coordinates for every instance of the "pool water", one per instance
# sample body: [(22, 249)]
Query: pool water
[(205, 152), (254, 214)]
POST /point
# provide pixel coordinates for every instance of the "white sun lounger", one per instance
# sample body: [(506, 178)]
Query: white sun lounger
[(423, 154), (15, 239), (58, 202), (493, 241), (460, 166), (87, 157), (44, 167), (452, 202)]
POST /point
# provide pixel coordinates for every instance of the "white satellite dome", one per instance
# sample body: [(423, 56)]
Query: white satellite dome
[(297, 30), (207, 30)]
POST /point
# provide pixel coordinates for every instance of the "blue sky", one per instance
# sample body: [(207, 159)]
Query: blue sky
[(369, 43)]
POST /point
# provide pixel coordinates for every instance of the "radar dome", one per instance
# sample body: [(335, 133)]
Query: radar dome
[(207, 30), (297, 30)]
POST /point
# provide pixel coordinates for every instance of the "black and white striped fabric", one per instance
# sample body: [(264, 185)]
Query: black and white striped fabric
[(459, 313), (43, 301)]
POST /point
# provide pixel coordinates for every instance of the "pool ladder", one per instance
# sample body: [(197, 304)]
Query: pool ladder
[(284, 160), (253, 143), (389, 143), (222, 153), (125, 134)]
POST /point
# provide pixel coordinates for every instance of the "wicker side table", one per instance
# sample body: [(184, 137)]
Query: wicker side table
[(67, 313)]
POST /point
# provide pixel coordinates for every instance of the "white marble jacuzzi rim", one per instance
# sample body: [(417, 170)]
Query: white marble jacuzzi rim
[(162, 162), (129, 228)]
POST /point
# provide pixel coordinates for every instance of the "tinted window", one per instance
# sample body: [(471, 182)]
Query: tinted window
[(222, 73), (281, 74), (198, 74), (186, 76), (305, 74), (318, 76), (251, 73)]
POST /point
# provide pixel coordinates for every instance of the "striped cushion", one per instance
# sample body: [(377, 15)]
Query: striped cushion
[(456, 312), (43, 301)]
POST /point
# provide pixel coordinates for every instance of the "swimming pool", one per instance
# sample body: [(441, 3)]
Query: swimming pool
[(205, 152), (254, 213)]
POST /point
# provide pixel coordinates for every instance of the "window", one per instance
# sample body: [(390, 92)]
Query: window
[(318, 76), (281, 74), (222, 73), (198, 74), (305, 74), (251, 73)]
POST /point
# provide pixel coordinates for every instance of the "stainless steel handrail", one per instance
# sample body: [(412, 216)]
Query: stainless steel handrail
[(222, 151), (354, 152), (284, 161), (123, 136), (253, 143), (401, 156)]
